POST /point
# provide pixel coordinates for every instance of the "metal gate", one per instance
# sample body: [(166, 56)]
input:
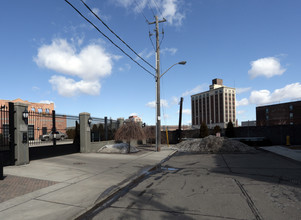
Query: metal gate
[(51, 134), (7, 134)]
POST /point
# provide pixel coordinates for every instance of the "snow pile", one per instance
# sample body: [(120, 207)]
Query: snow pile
[(117, 148), (212, 144)]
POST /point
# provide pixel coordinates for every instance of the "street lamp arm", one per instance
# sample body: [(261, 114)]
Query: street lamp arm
[(182, 63)]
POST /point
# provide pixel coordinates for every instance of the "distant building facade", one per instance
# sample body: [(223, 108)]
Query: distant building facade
[(39, 120), (248, 123), (214, 107), (279, 114)]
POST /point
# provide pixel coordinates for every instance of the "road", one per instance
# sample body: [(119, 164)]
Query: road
[(214, 186)]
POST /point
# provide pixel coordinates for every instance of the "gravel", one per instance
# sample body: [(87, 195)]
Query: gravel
[(213, 144)]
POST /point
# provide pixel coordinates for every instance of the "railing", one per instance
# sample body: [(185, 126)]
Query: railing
[(4, 128), (103, 129), (50, 128)]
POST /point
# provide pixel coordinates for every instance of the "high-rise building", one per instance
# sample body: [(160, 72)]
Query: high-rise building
[(214, 107)]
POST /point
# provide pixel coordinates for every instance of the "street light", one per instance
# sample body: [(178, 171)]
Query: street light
[(158, 114)]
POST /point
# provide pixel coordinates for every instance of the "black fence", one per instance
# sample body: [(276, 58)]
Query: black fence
[(51, 128), (7, 129), (4, 128), (103, 129)]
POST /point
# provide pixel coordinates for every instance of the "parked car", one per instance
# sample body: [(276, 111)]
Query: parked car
[(58, 135)]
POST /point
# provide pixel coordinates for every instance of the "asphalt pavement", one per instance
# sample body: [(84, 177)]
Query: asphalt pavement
[(214, 186), (210, 186), (66, 187)]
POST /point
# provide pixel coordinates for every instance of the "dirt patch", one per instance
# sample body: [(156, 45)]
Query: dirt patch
[(212, 144)]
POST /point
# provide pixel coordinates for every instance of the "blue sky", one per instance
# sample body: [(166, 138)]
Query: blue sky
[(51, 54)]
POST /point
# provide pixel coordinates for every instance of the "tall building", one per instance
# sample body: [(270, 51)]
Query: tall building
[(279, 114), (214, 107)]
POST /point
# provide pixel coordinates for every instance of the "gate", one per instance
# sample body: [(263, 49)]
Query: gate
[(7, 135), (51, 134)]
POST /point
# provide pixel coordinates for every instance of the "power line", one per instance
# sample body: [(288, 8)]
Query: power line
[(108, 38), (158, 8), (116, 34), (140, 10)]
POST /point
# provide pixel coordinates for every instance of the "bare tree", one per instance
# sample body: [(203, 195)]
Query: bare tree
[(150, 132), (129, 131)]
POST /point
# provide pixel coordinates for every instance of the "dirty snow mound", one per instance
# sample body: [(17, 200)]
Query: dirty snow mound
[(212, 144), (117, 148)]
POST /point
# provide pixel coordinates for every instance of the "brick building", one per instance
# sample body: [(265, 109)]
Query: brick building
[(279, 114), (40, 118), (214, 107)]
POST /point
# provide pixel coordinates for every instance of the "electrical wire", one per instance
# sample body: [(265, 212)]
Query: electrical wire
[(108, 38), (116, 34), (140, 10), (158, 8)]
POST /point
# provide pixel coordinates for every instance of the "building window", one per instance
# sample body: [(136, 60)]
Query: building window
[(44, 130), (291, 115), (30, 132), (267, 117), (291, 107), (267, 110), (5, 130)]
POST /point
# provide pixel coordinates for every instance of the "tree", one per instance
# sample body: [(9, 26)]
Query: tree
[(216, 129), (204, 130), (129, 131), (230, 130), (150, 133)]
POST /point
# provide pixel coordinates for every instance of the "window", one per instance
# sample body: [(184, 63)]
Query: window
[(5, 130), (30, 132), (291, 107), (267, 110), (44, 130), (291, 115), (47, 110)]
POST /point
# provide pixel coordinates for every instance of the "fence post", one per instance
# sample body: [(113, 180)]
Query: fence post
[(53, 128), (106, 128), (85, 132), (21, 135)]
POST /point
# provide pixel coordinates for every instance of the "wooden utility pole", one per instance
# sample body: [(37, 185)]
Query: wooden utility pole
[(180, 118), (158, 112)]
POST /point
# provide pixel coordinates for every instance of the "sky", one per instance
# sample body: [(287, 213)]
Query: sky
[(49, 53)]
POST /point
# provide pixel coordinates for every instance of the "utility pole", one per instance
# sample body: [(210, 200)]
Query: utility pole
[(158, 112), (180, 118)]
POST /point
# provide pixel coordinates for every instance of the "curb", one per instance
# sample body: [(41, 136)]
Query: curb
[(119, 191)]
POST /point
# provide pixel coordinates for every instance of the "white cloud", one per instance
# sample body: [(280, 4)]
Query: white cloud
[(46, 102), (69, 87), (289, 92), (171, 12), (35, 88), (175, 100), (89, 64), (240, 112), (170, 8), (172, 50), (186, 111), (268, 67), (242, 102), (134, 114), (195, 90), (242, 90), (153, 104)]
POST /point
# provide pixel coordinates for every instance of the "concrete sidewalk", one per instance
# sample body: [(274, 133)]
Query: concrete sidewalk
[(65, 187), (285, 152)]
